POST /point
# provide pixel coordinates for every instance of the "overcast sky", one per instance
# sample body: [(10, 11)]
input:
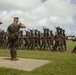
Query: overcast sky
[(36, 14)]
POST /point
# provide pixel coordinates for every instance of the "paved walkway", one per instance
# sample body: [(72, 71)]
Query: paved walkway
[(22, 64)]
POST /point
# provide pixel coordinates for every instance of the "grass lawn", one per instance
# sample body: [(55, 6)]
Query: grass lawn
[(63, 63)]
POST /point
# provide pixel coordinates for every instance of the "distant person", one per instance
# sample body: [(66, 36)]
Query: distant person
[(0, 22), (13, 34), (74, 50)]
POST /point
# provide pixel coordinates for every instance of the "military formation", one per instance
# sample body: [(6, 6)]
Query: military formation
[(37, 40)]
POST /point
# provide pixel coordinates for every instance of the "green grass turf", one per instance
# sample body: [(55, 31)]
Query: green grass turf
[(63, 63)]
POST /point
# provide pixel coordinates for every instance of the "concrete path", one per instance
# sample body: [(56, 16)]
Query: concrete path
[(22, 64)]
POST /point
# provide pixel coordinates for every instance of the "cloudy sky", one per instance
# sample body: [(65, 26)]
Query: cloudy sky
[(37, 14)]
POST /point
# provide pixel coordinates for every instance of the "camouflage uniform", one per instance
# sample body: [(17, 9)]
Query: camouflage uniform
[(44, 40), (27, 42), (13, 30), (36, 39), (2, 40), (51, 39)]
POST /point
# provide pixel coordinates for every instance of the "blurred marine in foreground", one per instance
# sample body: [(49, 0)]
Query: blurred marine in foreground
[(13, 34)]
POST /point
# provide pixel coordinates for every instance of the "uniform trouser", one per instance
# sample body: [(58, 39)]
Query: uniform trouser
[(44, 44), (13, 51)]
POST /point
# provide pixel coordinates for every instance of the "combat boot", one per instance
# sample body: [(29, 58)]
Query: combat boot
[(12, 58), (15, 58)]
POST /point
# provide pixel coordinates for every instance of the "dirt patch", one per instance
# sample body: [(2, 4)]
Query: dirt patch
[(22, 64)]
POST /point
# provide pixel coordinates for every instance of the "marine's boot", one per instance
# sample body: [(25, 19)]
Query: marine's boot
[(12, 58), (15, 58)]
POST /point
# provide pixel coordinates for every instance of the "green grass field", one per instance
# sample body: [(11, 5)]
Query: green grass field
[(63, 63)]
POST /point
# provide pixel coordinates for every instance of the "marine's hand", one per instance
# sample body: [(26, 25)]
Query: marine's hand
[(22, 25)]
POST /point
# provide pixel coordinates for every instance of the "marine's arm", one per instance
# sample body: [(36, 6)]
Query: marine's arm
[(8, 32), (22, 25)]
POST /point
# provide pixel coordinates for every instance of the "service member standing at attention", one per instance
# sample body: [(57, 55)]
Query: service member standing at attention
[(13, 34)]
